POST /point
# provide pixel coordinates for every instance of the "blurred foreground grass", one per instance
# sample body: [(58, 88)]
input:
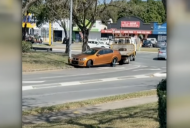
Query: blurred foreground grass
[(143, 116)]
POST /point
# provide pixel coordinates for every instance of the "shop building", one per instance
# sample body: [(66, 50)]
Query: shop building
[(160, 31), (95, 32), (59, 34), (30, 24), (128, 26)]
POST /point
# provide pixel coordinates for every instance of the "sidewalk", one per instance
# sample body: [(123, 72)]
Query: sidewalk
[(88, 110)]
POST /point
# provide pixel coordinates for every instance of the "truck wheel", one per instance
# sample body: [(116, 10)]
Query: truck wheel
[(121, 62), (128, 60), (131, 58), (134, 58)]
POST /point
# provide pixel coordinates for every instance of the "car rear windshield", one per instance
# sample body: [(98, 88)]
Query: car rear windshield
[(90, 51)]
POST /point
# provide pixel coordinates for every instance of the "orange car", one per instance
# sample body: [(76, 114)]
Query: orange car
[(96, 56)]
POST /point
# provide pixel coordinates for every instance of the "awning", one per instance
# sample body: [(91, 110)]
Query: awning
[(29, 25), (126, 31)]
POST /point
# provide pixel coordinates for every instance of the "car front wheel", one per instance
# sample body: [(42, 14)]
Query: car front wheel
[(89, 64), (114, 61)]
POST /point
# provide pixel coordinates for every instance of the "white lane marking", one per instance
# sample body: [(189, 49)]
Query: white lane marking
[(70, 83), (86, 90), (160, 74), (110, 79), (101, 80), (89, 81), (87, 73), (26, 88), (141, 76), (145, 69), (30, 82)]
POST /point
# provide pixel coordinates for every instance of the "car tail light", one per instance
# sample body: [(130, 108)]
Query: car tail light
[(160, 52)]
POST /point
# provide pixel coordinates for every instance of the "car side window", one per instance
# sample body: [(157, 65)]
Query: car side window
[(108, 51), (101, 52)]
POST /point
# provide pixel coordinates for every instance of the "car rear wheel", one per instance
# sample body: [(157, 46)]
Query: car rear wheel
[(89, 64), (114, 61)]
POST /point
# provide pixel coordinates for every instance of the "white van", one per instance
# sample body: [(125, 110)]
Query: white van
[(153, 40)]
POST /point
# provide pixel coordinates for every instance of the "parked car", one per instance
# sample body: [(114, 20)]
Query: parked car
[(147, 43), (96, 56), (106, 40), (93, 44), (162, 53), (153, 40), (161, 44)]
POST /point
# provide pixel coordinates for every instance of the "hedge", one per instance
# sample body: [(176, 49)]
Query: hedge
[(26, 46), (162, 101)]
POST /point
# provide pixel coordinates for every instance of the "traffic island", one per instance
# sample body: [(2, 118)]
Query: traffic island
[(43, 61)]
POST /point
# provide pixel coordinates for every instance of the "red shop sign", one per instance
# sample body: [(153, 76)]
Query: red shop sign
[(107, 31), (130, 24), (135, 32)]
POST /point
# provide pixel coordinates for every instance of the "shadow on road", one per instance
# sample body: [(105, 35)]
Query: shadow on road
[(93, 67), (159, 59)]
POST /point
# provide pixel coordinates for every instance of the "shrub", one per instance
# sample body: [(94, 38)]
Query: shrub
[(162, 100), (26, 46)]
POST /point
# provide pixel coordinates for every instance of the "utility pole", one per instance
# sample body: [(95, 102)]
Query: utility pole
[(50, 34), (70, 29)]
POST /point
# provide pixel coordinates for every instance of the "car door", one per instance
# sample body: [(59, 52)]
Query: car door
[(100, 58), (108, 55)]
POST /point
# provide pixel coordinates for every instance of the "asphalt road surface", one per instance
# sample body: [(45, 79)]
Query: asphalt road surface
[(57, 87)]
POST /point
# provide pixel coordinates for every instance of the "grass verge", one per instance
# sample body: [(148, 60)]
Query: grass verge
[(143, 116), (74, 105), (39, 61)]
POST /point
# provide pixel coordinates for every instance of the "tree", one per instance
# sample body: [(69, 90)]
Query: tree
[(148, 11), (165, 6), (85, 14), (58, 13), (52, 11), (111, 12), (26, 4)]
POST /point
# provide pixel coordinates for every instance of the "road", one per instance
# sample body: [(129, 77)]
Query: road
[(57, 87)]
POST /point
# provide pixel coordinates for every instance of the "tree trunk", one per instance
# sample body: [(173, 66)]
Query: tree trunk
[(67, 43), (85, 40), (24, 34)]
